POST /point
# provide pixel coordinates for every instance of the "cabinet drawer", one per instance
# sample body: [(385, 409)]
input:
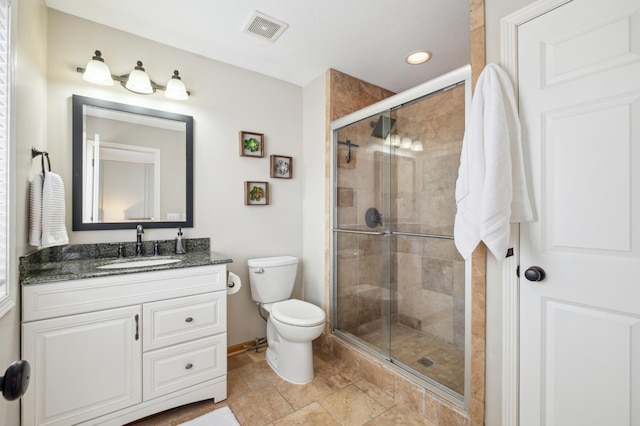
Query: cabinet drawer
[(180, 320), (62, 298), (170, 369)]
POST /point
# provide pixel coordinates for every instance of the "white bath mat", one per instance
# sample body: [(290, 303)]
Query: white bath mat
[(220, 417)]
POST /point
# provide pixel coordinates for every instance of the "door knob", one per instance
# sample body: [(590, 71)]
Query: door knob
[(535, 273), (15, 381)]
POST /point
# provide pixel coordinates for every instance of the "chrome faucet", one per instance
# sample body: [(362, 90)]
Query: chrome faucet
[(139, 232)]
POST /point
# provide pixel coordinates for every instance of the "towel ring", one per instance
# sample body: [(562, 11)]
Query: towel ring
[(42, 154)]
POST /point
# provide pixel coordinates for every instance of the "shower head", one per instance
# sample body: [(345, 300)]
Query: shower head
[(382, 127)]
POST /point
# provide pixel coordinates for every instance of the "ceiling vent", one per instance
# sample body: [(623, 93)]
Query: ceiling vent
[(265, 27)]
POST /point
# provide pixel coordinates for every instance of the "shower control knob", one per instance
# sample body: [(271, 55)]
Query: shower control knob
[(535, 274)]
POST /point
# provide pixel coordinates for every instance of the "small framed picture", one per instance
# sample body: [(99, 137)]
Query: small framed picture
[(251, 144), (281, 167), (256, 193)]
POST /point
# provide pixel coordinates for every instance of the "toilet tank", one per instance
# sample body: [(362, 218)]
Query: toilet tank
[(272, 278)]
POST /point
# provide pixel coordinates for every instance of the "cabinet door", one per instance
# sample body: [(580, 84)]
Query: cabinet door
[(83, 366)]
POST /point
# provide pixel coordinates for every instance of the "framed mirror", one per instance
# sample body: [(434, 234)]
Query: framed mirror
[(131, 165)]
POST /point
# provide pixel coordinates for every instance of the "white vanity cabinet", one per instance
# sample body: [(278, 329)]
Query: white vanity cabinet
[(110, 350)]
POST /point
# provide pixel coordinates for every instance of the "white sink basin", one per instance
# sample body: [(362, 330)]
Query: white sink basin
[(139, 263)]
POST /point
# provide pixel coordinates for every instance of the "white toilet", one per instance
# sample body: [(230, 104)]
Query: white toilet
[(292, 324)]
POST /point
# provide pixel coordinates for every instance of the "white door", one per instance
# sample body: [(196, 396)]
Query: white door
[(579, 93)]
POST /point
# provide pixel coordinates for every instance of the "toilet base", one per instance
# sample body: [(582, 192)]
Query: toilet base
[(296, 365)]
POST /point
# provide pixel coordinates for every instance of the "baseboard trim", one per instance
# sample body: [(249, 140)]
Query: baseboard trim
[(243, 347)]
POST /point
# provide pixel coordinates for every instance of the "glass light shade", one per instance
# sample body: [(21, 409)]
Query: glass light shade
[(394, 140), (175, 88), (417, 146), (139, 81), (97, 72), (406, 143)]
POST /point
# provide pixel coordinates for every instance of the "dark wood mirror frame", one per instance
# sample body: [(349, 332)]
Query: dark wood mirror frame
[(78, 104)]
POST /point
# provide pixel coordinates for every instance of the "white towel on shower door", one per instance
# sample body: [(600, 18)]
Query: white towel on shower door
[(491, 190)]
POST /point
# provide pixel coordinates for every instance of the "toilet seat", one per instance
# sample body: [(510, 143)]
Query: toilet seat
[(297, 313)]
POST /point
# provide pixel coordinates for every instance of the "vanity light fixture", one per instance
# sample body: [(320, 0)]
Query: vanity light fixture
[(419, 57), (416, 146), (175, 88), (97, 72), (393, 140), (396, 141), (137, 81), (406, 143)]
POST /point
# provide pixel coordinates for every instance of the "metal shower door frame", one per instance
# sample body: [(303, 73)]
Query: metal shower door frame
[(384, 108)]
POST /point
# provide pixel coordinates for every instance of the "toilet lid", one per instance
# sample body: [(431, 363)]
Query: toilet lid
[(297, 312)]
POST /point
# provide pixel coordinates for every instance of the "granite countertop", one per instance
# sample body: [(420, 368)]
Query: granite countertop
[(82, 261)]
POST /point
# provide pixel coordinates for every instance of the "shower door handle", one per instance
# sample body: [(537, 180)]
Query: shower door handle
[(349, 231)]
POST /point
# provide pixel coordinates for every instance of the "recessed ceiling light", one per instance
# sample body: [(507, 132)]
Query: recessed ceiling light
[(419, 57)]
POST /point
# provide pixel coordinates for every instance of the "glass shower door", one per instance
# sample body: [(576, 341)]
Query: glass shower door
[(361, 237), (399, 285), (428, 274)]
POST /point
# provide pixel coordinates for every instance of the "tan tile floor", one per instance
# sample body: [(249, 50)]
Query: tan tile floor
[(257, 396)]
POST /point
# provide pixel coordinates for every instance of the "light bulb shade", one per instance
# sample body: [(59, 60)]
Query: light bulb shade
[(175, 88), (416, 146), (395, 140), (97, 72), (139, 80), (406, 143)]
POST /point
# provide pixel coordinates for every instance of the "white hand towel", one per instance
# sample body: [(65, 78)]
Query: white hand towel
[(54, 229), (35, 210), (491, 190)]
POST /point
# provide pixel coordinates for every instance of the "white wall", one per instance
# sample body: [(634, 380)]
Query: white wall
[(28, 123), (225, 100), (313, 190)]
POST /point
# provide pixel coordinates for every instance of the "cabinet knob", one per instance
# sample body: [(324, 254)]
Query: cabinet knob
[(188, 319), (188, 366)]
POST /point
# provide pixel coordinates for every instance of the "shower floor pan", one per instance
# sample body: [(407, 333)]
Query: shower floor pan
[(426, 354)]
